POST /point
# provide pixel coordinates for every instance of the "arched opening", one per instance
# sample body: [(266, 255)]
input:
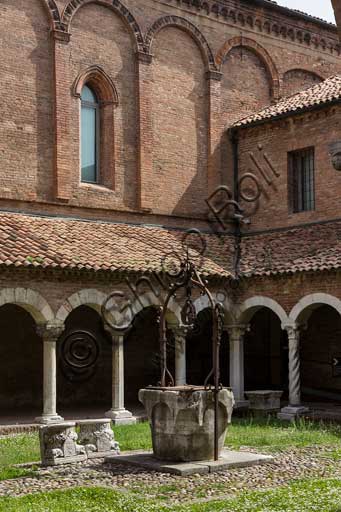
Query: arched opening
[(266, 353), (21, 365), (321, 356), (84, 365), (199, 351), (142, 355)]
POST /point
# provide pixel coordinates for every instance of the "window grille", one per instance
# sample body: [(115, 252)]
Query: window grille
[(302, 180)]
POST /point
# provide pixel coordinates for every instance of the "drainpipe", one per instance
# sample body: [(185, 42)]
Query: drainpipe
[(237, 220)]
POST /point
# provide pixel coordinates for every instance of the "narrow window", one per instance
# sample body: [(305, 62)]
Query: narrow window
[(302, 180), (89, 136)]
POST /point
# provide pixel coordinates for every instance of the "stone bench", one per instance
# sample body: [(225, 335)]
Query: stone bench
[(264, 400), (61, 444), (58, 444), (98, 438)]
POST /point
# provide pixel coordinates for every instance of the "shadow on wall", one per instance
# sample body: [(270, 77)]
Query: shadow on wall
[(42, 59)]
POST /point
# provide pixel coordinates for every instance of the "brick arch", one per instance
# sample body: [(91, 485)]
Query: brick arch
[(220, 297), (304, 70), (101, 82), (251, 306), (87, 297), (53, 13), (148, 299), (302, 310), (259, 51), (186, 26), (115, 5), (30, 300)]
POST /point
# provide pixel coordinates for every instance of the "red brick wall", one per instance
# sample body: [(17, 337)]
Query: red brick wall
[(275, 140), (99, 36), (26, 106), (296, 80), (180, 124)]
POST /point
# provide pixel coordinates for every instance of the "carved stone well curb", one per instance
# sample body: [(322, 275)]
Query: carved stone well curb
[(182, 421)]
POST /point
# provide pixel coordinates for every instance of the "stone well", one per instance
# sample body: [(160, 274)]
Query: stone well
[(182, 421)]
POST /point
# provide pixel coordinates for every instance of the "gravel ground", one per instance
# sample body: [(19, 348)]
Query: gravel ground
[(288, 465)]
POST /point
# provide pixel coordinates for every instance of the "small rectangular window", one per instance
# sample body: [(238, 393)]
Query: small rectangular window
[(302, 180)]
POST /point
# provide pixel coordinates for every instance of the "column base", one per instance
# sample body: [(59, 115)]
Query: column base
[(292, 412), (241, 404), (120, 417), (47, 419)]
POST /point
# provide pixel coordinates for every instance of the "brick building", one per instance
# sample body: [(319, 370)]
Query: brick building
[(118, 121)]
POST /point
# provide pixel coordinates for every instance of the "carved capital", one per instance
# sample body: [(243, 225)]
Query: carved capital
[(61, 36), (293, 332), (50, 331), (236, 331), (116, 337), (144, 57), (214, 75)]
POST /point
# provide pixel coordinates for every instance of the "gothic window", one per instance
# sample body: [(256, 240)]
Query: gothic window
[(90, 133), (302, 180)]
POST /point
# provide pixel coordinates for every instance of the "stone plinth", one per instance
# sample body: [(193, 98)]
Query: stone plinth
[(58, 444), (182, 421), (264, 400), (228, 460), (98, 438)]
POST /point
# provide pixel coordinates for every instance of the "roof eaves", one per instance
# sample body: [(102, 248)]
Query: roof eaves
[(284, 115), (295, 13)]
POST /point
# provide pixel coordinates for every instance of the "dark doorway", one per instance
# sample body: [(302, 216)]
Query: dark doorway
[(21, 363), (266, 353), (199, 351), (321, 356), (84, 364), (142, 354)]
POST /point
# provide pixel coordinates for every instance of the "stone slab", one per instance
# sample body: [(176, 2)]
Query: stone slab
[(228, 460)]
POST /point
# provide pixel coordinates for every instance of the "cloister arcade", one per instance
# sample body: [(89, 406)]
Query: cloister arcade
[(83, 364)]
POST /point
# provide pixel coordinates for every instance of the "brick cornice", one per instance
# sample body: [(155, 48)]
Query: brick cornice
[(260, 22)]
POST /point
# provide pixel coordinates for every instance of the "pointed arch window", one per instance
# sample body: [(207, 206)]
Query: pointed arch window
[(90, 135)]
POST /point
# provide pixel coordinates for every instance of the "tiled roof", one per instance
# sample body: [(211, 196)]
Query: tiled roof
[(310, 248), (72, 244), (320, 94), (49, 242)]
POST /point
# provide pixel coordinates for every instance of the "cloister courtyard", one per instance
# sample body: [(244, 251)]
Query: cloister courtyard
[(305, 474)]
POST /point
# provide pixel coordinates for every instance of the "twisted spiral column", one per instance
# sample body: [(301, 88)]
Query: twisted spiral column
[(294, 366)]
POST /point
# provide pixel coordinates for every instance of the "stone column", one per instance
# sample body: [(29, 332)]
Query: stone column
[(180, 334), (295, 407), (50, 332), (118, 414), (236, 339)]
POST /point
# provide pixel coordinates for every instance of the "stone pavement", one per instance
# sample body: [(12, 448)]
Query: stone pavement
[(287, 466), (228, 460)]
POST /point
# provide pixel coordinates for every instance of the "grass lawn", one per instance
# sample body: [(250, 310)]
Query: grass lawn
[(307, 496), (264, 435), (267, 435)]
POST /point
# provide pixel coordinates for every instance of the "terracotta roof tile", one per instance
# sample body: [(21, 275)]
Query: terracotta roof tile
[(325, 92), (315, 247), (49, 242)]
